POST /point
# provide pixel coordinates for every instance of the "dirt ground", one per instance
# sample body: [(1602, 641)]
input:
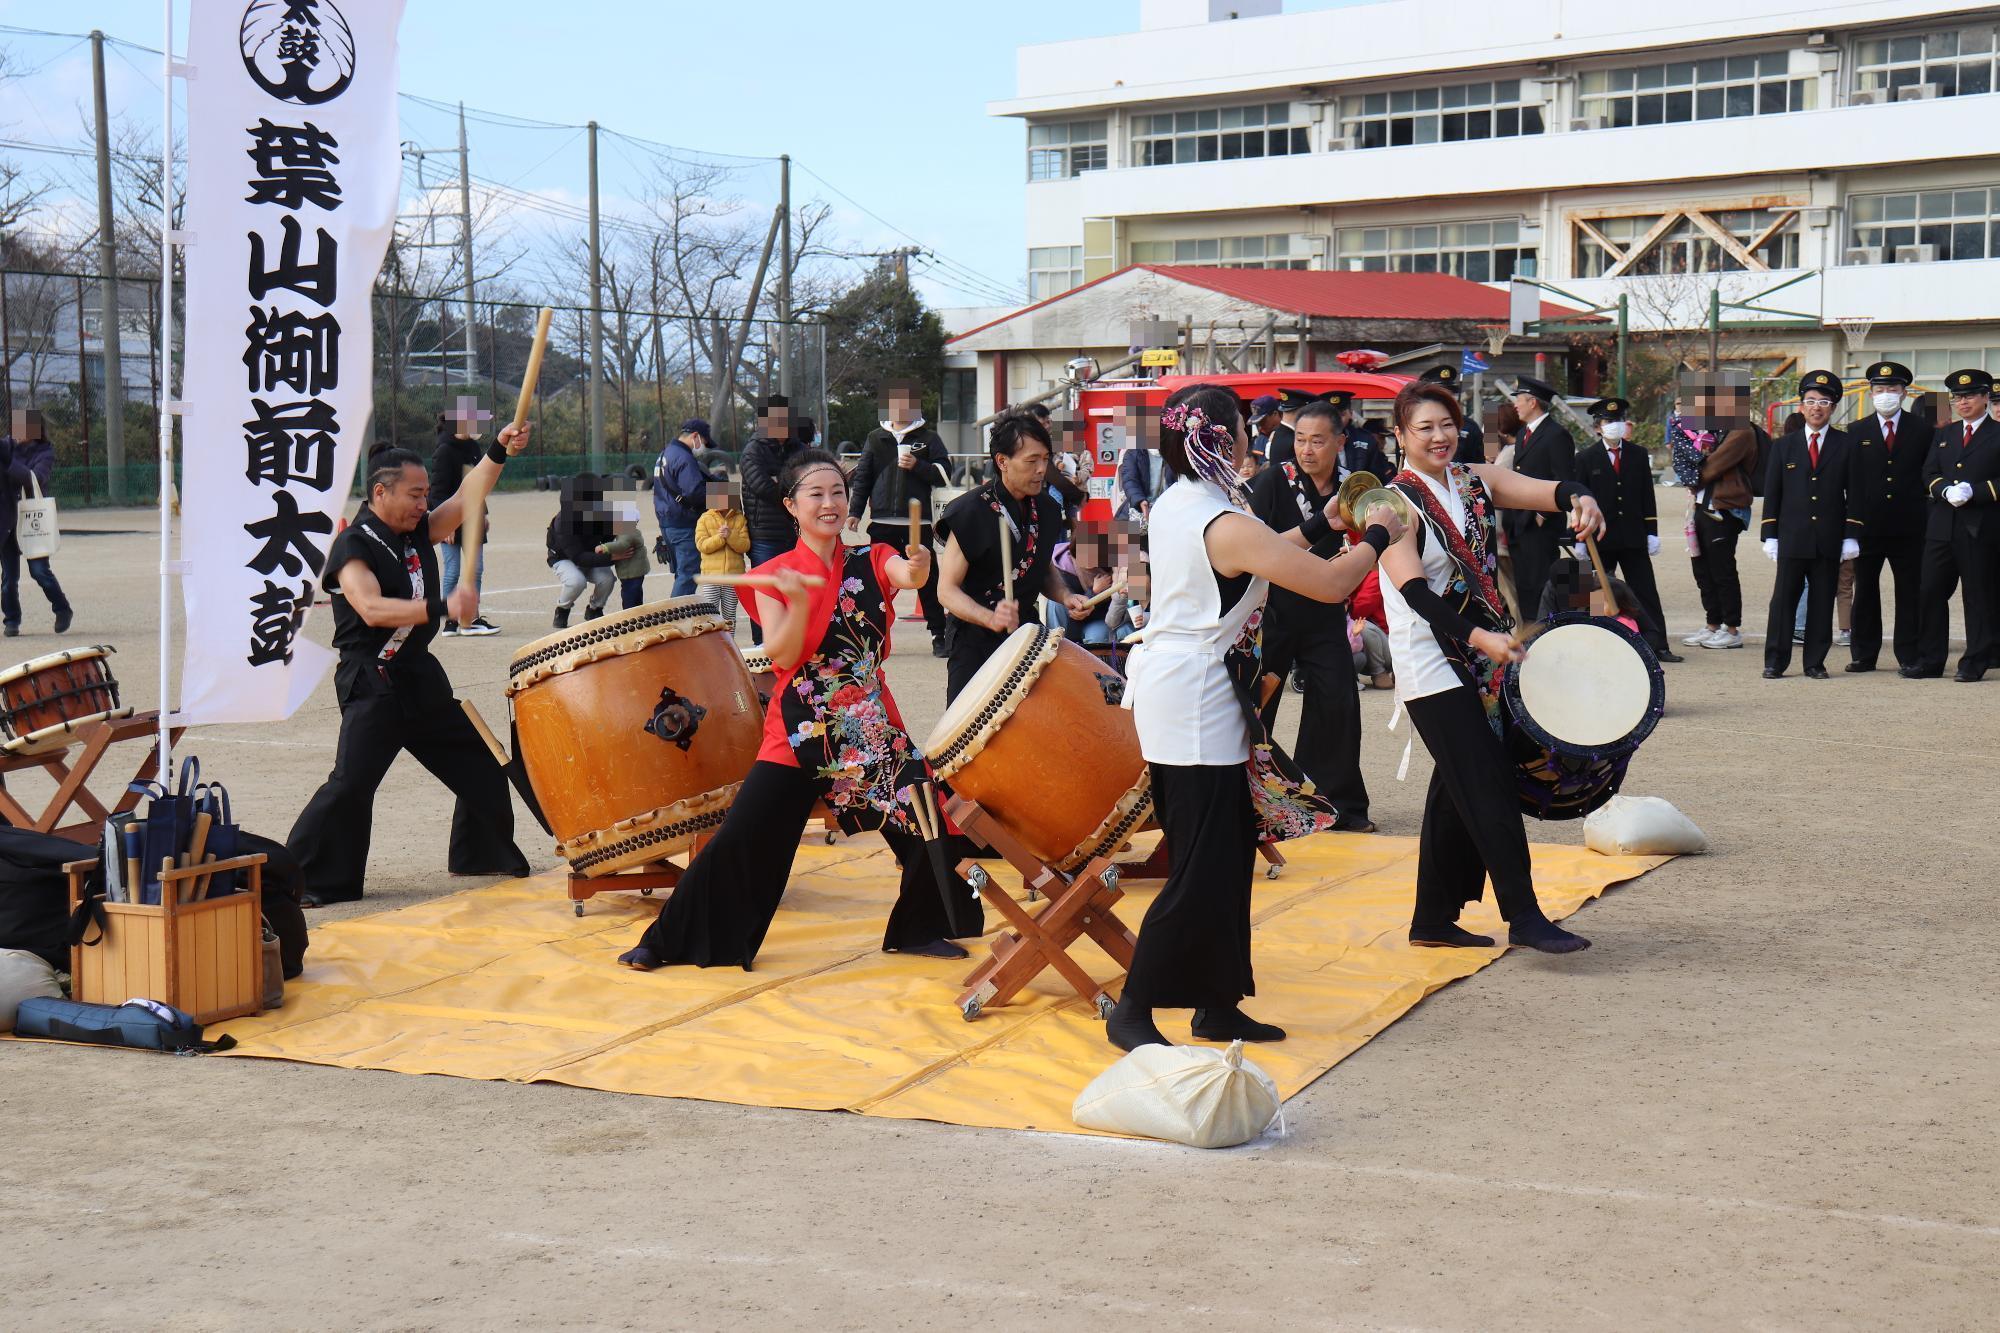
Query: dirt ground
[(1764, 1100)]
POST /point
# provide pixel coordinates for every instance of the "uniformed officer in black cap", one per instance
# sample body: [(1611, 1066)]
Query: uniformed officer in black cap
[(1808, 528), (1962, 532), (1471, 436), (1887, 495), (1620, 475), (1280, 448), (1545, 450)]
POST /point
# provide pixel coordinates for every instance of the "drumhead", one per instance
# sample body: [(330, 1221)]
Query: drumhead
[(1588, 685), (43, 663), (990, 695), (676, 617)]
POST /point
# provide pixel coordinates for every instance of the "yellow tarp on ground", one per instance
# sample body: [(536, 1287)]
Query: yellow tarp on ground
[(507, 983)]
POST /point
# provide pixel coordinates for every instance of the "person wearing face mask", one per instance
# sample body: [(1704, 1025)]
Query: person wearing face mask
[(902, 460), (1620, 475), (832, 733), (1962, 532), (1808, 526), (1890, 446)]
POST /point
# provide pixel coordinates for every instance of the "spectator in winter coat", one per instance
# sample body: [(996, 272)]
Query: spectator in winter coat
[(902, 460), (772, 532), (680, 493), (629, 551), (458, 448), (26, 459), (580, 527), (724, 538)]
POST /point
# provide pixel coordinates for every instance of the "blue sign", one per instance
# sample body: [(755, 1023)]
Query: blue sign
[(1472, 363)]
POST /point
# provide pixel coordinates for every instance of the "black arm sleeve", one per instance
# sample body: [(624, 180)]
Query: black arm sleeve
[(1434, 611)]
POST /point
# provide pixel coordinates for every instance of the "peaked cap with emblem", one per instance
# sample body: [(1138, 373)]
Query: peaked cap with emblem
[(1890, 372), (1821, 381)]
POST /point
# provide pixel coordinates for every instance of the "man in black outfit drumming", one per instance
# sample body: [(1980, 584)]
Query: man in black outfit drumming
[(1887, 495), (1808, 528), (1312, 636), (969, 575), (394, 696), (1620, 475)]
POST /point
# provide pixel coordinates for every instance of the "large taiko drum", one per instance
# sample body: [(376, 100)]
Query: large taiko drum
[(46, 700), (1039, 740), (1578, 707), (636, 731)]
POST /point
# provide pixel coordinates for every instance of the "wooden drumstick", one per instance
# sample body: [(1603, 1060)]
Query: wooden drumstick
[(475, 488), (200, 891), (1006, 561), (1099, 599), (757, 580), (916, 527), (197, 844), (485, 732), (1603, 579)]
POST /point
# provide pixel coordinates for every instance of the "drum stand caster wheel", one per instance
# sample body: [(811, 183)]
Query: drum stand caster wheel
[(971, 1009), (579, 908), (1104, 1007), (827, 837), (1271, 872), (646, 892)]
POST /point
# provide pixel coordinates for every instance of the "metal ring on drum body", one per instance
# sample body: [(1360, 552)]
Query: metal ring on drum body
[(951, 753), (609, 636), (1566, 779)]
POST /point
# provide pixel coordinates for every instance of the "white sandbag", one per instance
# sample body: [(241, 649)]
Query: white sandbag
[(1195, 1095), (1641, 826), (23, 976)]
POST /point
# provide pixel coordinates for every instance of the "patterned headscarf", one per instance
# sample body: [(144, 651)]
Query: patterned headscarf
[(1211, 450)]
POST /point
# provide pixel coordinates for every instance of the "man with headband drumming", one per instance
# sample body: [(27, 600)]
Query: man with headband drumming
[(980, 562), (832, 733)]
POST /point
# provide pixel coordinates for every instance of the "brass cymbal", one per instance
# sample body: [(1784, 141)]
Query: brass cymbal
[(1383, 495), (1357, 485)]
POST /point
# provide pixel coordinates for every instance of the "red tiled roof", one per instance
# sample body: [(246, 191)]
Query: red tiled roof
[(1330, 294), (1336, 294)]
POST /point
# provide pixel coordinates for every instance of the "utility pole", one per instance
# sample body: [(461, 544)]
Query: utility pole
[(465, 248), (785, 277), (107, 268), (596, 321)]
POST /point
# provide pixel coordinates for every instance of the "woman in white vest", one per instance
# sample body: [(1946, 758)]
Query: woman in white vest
[(1219, 785), (1451, 640)]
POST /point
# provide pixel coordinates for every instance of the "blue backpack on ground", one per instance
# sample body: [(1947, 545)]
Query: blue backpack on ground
[(143, 1025)]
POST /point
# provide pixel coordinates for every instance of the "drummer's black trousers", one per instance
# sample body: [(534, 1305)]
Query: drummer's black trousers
[(1473, 828), (1194, 944), (1329, 750), (382, 715), (723, 905)]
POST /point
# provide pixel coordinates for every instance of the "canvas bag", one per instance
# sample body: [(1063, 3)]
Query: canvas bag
[(1195, 1095), (1641, 826), (35, 527), (23, 976)]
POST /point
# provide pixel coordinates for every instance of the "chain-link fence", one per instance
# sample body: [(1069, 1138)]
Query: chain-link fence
[(660, 369)]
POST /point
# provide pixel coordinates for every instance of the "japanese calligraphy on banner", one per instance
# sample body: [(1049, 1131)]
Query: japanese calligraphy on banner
[(293, 166)]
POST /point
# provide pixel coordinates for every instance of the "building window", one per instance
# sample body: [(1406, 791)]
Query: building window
[(1067, 148), (1481, 251), (1930, 364), (1720, 88), (1769, 236), (1955, 224), (1053, 270), (1219, 134), (1491, 110), (1222, 252), (1956, 63), (958, 396)]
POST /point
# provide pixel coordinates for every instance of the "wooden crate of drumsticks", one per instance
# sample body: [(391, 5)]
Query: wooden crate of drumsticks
[(198, 952)]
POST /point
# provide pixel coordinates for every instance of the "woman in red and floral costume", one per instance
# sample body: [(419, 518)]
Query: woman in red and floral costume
[(832, 733)]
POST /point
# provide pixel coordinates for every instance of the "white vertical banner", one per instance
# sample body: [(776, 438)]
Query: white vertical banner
[(293, 169)]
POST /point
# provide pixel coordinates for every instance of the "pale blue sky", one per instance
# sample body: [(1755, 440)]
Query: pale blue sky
[(885, 101)]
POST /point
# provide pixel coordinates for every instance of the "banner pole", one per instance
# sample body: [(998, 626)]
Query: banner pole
[(166, 384)]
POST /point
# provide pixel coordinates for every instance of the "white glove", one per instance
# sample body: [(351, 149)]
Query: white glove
[(1582, 551), (1959, 492), (1850, 549), (1652, 546), (1771, 548)]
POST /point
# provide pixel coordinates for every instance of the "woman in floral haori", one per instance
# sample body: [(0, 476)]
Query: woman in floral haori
[(1451, 639), (1219, 785), (832, 733)]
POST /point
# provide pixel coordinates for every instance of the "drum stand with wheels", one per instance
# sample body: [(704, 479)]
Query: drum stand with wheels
[(1078, 904)]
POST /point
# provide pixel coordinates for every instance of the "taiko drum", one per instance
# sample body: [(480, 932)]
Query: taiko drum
[(1040, 740), (45, 700), (636, 731)]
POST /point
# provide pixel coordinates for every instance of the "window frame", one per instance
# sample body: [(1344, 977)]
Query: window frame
[(1401, 117), (1219, 134), (1890, 72), (1272, 250), (1432, 247), (1888, 213), (1055, 157), (1735, 86)]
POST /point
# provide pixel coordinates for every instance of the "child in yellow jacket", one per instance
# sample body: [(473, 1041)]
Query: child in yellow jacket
[(722, 535)]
